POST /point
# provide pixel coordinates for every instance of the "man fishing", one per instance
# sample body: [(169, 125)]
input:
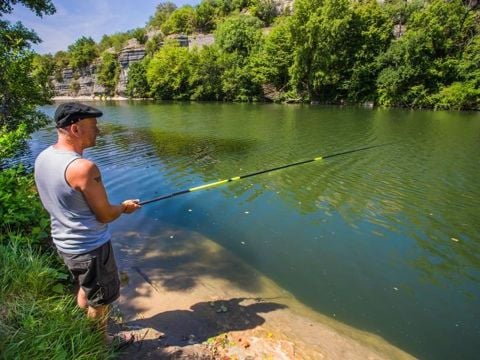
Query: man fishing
[(72, 191)]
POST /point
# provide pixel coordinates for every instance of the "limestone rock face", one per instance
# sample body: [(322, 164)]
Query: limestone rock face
[(133, 52)]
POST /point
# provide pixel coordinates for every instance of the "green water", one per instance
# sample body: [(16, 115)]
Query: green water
[(385, 240)]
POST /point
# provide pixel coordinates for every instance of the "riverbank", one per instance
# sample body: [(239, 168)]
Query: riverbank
[(184, 296)]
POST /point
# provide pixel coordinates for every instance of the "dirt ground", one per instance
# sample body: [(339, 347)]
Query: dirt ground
[(185, 297)]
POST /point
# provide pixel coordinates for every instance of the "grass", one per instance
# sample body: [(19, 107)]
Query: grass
[(38, 315)]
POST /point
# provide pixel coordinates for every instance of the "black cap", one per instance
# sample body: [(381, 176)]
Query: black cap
[(71, 112)]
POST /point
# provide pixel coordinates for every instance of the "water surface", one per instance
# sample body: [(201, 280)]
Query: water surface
[(385, 240)]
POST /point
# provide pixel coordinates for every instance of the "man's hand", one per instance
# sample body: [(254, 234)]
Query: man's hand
[(129, 206)]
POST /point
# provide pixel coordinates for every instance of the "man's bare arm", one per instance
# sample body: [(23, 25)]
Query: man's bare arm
[(84, 176)]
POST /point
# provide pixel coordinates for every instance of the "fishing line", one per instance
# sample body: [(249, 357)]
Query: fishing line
[(235, 178)]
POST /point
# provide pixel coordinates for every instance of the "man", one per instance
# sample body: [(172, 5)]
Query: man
[(72, 191)]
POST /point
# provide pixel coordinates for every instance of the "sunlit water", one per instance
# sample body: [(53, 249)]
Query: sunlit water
[(385, 240)]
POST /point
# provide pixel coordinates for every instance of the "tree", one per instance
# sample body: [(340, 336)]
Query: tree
[(109, 72), (39, 7), (139, 35), (137, 84), (321, 37), (277, 54), (20, 90), (426, 59), (205, 79), (168, 72), (265, 10), (205, 13), (43, 66), (239, 33), (162, 13), (181, 20), (371, 32), (82, 52)]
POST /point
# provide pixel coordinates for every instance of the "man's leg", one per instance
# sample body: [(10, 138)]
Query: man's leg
[(82, 300)]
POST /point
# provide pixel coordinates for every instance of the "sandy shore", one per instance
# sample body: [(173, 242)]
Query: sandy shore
[(185, 297)]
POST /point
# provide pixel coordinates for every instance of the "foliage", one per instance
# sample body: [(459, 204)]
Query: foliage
[(20, 208), (239, 33), (20, 92), (205, 80), (109, 72), (372, 31), (168, 72), (206, 16), (137, 84), (322, 47), (265, 10), (277, 54), (181, 20), (425, 60), (162, 13), (116, 41), (42, 68), (61, 61), (39, 7), (82, 52), (239, 82), (139, 34), (154, 44)]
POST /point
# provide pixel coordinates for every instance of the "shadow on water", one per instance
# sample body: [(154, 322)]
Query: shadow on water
[(177, 259)]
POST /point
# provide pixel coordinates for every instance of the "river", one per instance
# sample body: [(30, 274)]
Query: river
[(385, 240)]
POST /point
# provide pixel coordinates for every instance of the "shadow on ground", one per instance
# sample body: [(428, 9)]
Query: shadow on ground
[(176, 330)]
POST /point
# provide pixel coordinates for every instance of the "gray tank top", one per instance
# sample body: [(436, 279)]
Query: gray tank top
[(75, 229)]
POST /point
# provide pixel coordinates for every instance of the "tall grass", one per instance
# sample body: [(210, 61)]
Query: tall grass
[(38, 315)]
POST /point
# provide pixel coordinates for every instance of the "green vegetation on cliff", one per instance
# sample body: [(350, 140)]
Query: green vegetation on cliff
[(410, 54)]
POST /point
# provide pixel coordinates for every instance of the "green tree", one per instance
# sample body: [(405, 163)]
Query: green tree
[(137, 84), (181, 20), (205, 79), (109, 72), (139, 34), (82, 52), (321, 38), (62, 61), (265, 10), (39, 7), (277, 54), (154, 44), (162, 13), (371, 33), (43, 68), (21, 91), (168, 72), (239, 33), (425, 59), (206, 15)]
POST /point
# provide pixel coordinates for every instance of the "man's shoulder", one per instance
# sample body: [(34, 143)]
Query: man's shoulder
[(82, 166)]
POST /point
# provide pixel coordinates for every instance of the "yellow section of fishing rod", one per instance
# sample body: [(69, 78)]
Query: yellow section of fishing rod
[(318, 158), (216, 183)]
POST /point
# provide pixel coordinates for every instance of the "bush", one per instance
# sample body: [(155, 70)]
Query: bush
[(109, 72), (137, 84), (168, 72), (458, 96), (20, 208)]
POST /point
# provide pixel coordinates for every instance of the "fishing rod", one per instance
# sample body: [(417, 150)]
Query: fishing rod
[(220, 182)]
